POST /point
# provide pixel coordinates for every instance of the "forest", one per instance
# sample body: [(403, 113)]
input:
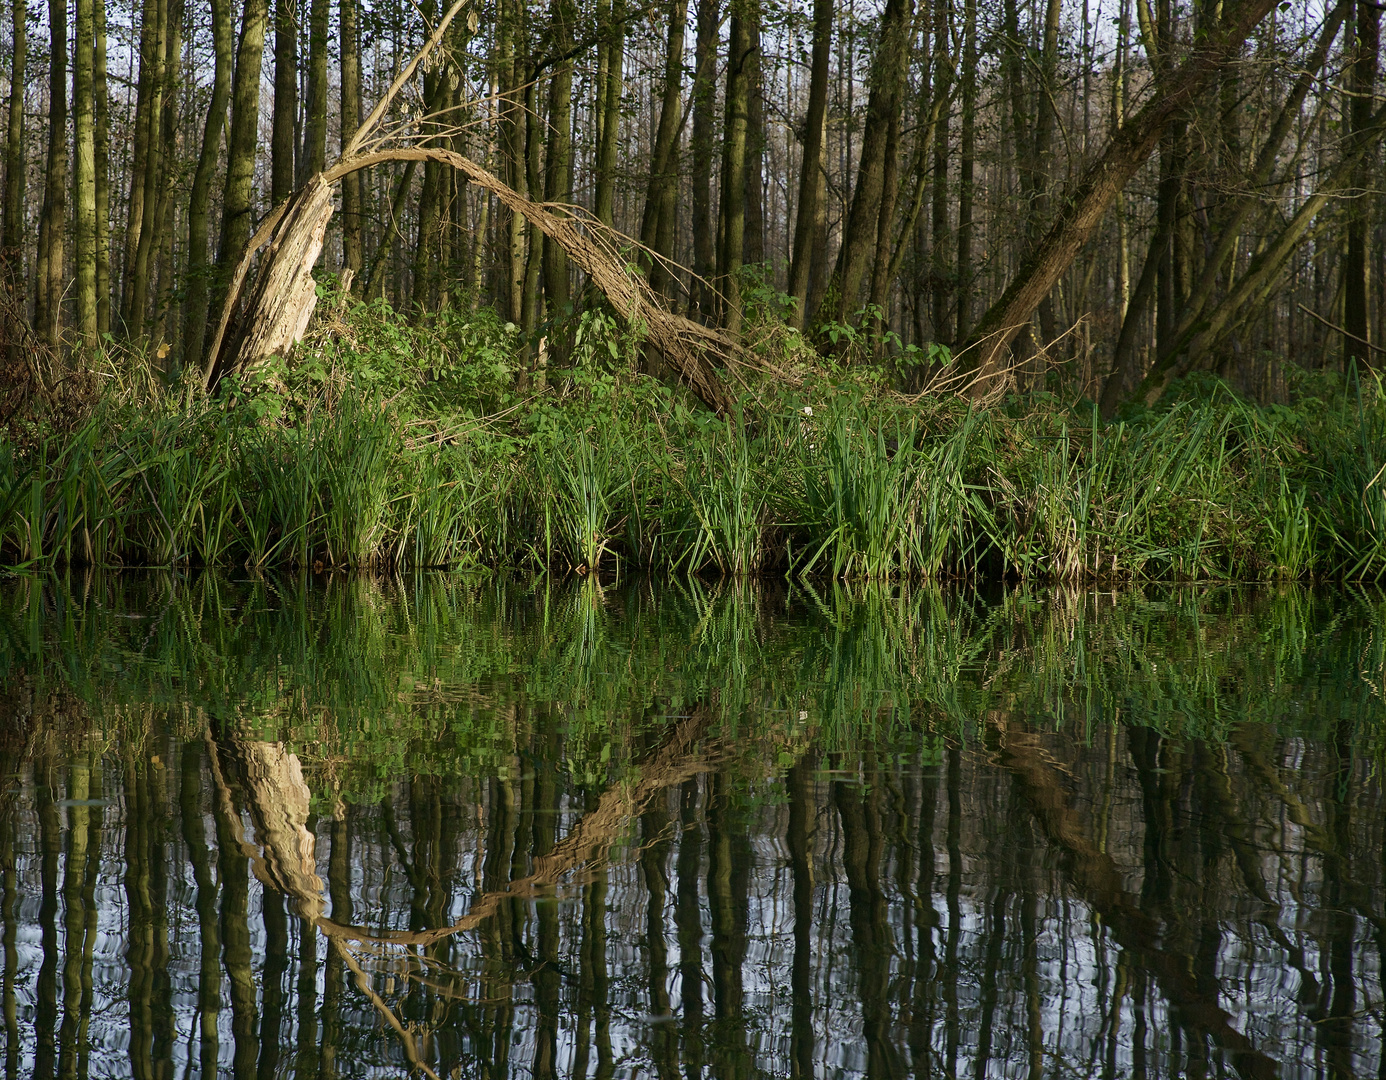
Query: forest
[(897, 289)]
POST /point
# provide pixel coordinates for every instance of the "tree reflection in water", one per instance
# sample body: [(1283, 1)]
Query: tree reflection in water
[(942, 838)]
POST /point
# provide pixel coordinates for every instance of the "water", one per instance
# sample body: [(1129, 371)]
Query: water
[(344, 828)]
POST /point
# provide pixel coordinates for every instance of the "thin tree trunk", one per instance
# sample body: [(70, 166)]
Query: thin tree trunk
[(101, 150), (52, 225), (608, 107), (1357, 327), (657, 223), (753, 244), (812, 177), (313, 158), (731, 217), (353, 185), (939, 231), (136, 311), (704, 113), (15, 163), (859, 233), (558, 170), (1084, 208), (283, 134), (198, 290), (148, 85), (84, 171), (967, 157), (237, 203)]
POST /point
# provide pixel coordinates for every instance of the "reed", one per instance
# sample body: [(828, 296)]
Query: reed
[(607, 468)]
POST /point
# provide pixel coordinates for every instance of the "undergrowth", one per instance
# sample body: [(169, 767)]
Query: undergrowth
[(386, 444)]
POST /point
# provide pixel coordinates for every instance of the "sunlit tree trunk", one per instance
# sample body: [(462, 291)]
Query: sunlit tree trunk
[(53, 224), (101, 152), (137, 306), (84, 171), (237, 202), (197, 278)]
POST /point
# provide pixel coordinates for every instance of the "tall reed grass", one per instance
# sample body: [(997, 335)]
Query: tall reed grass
[(609, 471)]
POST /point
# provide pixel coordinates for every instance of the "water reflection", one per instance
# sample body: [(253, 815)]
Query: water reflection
[(308, 830)]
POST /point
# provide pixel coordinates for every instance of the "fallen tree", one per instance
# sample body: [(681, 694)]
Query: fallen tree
[(269, 318), (1082, 212)]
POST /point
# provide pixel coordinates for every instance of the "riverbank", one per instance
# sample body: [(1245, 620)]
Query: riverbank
[(391, 446)]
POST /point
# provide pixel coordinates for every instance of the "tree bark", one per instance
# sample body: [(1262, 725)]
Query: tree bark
[(84, 171), (810, 217), (101, 150), (859, 232), (198, 291), (237, 202), (15, 164), (283, 134), (1085, 206), (1356, 265), (608, 106), (148, 85), (661, 194), (137, 306), (353, 186), (967, 157), (313, 158), (731, 217), (704, 113), (558, 171), (52, 224)]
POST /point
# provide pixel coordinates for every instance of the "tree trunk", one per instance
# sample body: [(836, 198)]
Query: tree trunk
[(84, 171), (313, 159), (1356, 267), (608, 108), (753, 244), (148, 85), (1086, 205), (940, 270), (353, 186), (661, 194), (859, 233), (558, 171), (731, 217), (283, 135), (52, 224), (15, 164), (137, 306), (237, 202), (101, 150), (198, 292), (704, 113), (967, 157), (810, 216)]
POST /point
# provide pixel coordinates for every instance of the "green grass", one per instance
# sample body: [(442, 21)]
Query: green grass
[(397, 446)]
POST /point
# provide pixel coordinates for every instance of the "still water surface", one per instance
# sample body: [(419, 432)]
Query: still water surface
[(347, 828)]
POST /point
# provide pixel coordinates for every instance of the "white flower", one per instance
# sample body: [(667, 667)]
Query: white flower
[(808, 410)]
